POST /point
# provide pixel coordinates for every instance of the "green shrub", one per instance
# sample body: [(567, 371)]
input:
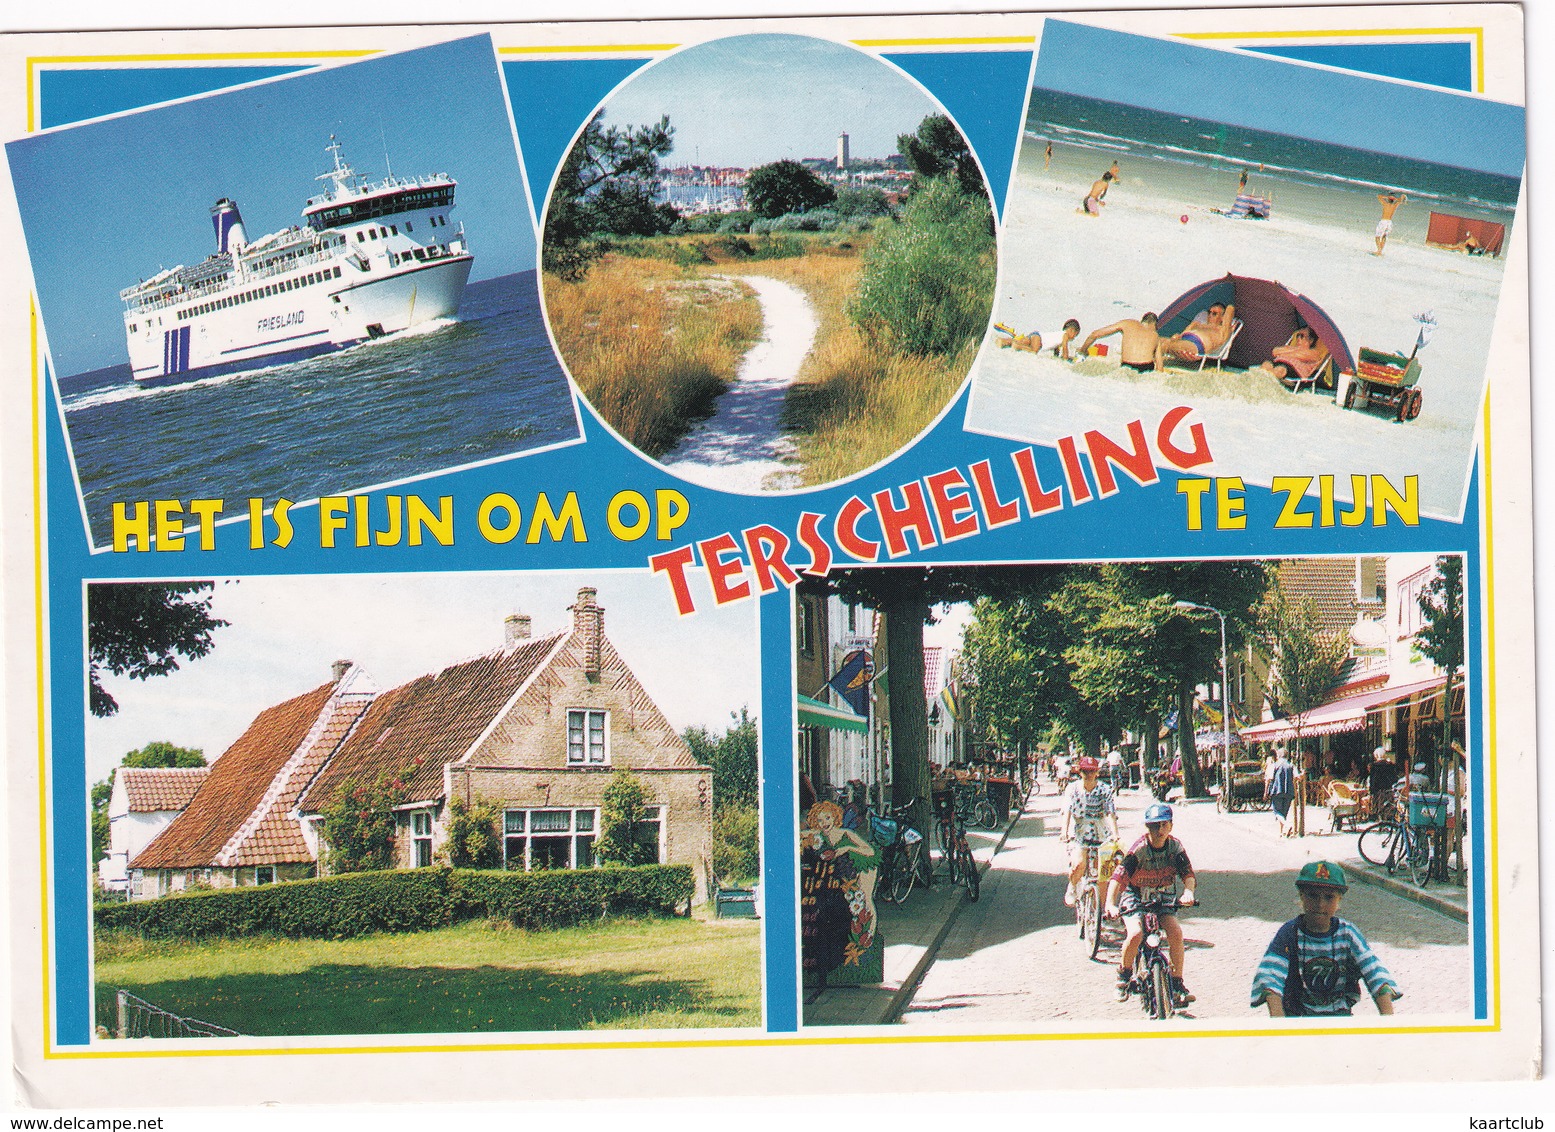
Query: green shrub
[(473, 841), (406, 900), (927, 282), (737, 844)]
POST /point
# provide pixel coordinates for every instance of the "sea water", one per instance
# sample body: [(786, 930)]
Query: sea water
[(458, 391), (1196, 164)]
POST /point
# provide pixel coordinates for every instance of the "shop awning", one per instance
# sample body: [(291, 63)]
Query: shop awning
[(1348, 714), (814, 713)]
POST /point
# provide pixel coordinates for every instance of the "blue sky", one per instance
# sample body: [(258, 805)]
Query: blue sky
[(109, 203), (1268, 94), (752, 99)]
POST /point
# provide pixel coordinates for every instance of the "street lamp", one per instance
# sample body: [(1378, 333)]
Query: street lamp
[(1225, 699)]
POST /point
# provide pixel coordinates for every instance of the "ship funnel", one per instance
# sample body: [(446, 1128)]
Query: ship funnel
[(228, 222)]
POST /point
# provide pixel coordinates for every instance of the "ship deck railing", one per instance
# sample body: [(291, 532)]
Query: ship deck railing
[(204, 290)]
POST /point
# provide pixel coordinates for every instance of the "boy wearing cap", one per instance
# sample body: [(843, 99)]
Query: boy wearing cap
[(1090, 812), (1317, 962), (1149, 872)]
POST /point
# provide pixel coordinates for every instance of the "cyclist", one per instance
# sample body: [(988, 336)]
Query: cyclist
[(1115, 769), (1149, 871), (1316, 963), (1090, 810)]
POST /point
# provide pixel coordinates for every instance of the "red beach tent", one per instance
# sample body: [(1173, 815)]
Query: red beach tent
[(1270, 314), (1449, 231)]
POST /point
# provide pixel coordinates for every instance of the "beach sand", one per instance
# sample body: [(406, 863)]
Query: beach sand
[(1057, 263)]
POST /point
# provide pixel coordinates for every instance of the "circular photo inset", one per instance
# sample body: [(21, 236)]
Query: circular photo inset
[(768, 262)]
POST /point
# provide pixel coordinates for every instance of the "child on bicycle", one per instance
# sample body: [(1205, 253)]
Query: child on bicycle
[(1149, 872), (1317, 962), (1090, 811)]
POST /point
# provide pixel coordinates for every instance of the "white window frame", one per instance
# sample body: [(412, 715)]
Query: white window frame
[(1410, 619), (271, 869), (585, 751), (420, 837), (527, 834), (660, 818)]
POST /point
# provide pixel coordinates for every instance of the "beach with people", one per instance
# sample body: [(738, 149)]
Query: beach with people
[(1159, 235)]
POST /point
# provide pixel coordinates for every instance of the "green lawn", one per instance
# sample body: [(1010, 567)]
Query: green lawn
[(471, 978)]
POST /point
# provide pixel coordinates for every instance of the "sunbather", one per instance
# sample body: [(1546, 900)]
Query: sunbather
[(1202, 336), (1298, 360)]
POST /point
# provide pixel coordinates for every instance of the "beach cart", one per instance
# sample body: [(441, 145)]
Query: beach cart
[(1387, 380)]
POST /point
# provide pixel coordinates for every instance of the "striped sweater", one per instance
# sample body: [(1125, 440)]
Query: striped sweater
[(1330, 970)]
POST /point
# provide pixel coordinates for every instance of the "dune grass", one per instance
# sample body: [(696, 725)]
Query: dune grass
[(855, 403), (470, 978), (651, 345)]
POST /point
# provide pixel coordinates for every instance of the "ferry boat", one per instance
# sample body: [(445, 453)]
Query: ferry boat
[(370, 259)]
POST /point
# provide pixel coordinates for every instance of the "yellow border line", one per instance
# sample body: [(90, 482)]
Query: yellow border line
[(1493, 901), (1477, 34), (35, 63), (592, 48), (965, 41), (43, 745), (799, 1037)]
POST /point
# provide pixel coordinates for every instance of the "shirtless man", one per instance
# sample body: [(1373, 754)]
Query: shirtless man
[(1141, 344), (1389, 203), (1202, 337), (1091, 205)]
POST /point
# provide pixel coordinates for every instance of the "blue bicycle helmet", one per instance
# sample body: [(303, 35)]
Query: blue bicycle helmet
[(1159, 812)]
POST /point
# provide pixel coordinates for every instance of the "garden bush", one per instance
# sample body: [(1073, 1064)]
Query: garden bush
[(405, 900)]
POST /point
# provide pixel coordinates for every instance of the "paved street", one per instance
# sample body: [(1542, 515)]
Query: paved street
[(1015, 956)]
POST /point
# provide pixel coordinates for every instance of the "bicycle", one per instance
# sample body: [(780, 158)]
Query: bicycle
[(1152, 969), (1088, 903), (974, 807), (959, 862), (1398, 845), (901, 855)]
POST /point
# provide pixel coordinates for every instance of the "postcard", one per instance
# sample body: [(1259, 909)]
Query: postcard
[(634, 556)]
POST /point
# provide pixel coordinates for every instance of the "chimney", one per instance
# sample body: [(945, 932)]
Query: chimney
[(515, 628), (588, 622), (339, 669)]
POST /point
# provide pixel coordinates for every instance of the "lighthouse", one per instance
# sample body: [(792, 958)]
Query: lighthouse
[(842, 152)]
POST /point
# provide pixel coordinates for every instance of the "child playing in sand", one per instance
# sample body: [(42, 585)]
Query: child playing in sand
[(1035, 342)]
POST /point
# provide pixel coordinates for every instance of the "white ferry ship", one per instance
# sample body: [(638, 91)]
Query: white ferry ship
[(370, 259)]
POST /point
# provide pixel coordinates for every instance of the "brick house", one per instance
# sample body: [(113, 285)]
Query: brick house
[(143, 802), (536, 728)]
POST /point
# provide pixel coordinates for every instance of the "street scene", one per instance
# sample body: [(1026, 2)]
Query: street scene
[(1015, 957), (1286, 738)]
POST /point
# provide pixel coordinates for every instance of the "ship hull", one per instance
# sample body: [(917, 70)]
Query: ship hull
[(300, 322)]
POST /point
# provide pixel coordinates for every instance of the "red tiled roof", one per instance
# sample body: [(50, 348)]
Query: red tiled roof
[(271, 835), (420, 727), (236, 784), (1329, 583), (153, 788)]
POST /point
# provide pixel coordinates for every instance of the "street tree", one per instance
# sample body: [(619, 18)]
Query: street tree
[(736, 787), (158, 753), (141, 629), (1442, 639), (938, 149), (785, 186), (607, 185), (1307, 662)]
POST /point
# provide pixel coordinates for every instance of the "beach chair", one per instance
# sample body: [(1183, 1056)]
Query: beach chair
[(1219, 356), (1322, 373)]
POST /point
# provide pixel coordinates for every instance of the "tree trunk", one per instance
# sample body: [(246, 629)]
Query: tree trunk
[(1301, 783), (1192, 778), (905, 618), (1150, 746)]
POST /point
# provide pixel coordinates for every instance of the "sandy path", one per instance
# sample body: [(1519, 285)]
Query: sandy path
[(741, 448)]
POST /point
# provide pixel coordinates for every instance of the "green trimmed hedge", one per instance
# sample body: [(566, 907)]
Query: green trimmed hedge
[(405, 900)]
